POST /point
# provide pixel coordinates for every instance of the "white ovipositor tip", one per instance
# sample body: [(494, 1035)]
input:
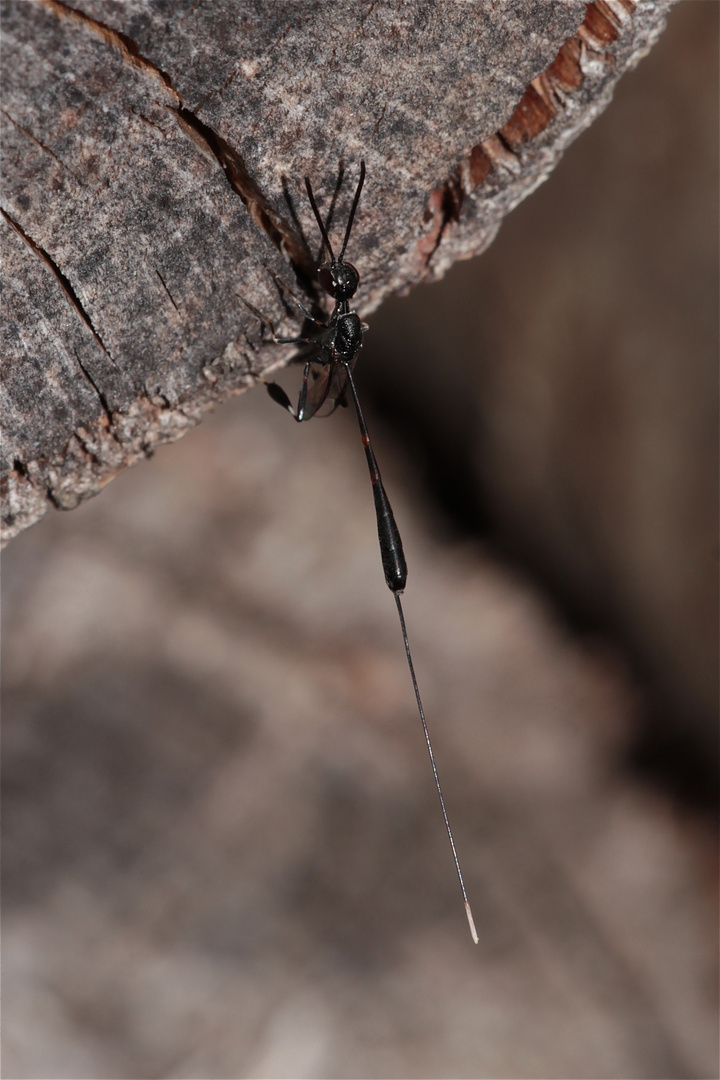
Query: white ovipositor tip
[(471, 923)]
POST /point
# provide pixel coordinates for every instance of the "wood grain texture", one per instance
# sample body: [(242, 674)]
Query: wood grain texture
[(152, 163)]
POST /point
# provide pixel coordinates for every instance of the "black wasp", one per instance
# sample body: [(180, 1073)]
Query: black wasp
[(327, 377)]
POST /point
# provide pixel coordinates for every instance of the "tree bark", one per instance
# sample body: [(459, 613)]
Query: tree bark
[(152, 168)]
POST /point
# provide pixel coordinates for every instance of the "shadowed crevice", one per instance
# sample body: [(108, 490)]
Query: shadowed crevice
[(61, 278)]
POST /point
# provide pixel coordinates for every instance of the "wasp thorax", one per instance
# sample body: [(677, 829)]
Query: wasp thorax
[(339, 280), (348, 336)]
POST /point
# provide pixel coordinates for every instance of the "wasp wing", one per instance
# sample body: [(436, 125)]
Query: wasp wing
[(326, 388)]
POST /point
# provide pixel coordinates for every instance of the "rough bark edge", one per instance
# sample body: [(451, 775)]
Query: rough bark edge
[(501, 171)]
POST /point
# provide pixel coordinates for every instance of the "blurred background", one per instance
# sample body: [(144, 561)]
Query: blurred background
[(223, 854)]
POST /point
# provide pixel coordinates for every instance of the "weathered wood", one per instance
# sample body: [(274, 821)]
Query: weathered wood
[(152, 156)]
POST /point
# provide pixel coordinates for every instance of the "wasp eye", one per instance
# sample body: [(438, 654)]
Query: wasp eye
[(327, 280)]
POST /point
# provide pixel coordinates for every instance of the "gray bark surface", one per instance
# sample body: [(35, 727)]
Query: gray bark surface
[(152, 168)]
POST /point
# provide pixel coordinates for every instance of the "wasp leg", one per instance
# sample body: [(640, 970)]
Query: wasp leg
[(298, 304), (278, 395)]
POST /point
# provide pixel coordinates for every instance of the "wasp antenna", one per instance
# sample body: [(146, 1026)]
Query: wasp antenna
[(335, 194), (356, 200), (321, 226)]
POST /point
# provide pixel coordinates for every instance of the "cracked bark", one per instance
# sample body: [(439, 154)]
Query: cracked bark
[(152, 171)]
